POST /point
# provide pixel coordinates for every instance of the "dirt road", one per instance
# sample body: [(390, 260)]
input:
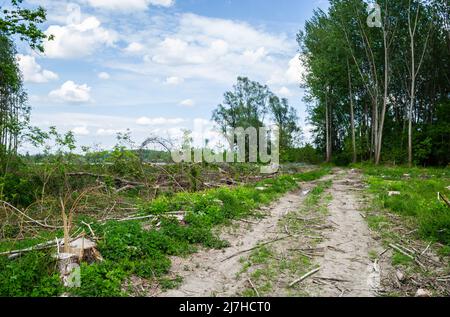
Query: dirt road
[(345, 266), (213, 272)]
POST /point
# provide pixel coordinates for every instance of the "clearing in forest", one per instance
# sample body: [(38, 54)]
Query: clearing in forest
[(318, 226)]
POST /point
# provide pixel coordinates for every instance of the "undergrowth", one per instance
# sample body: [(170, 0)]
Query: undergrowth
[(417, 199), (130, 249)]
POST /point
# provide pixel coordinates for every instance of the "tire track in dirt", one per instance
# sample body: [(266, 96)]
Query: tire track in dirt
[(346, 268), (212, 272)]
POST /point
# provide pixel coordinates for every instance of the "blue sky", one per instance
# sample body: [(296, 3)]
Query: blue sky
[(158, 66)]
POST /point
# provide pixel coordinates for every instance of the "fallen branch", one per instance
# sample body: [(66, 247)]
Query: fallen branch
[(6, 204), (412, 257), (169, 214), (413, 252), (254, 287), (427, 248), (332, 279), (445, 199), (304, 277), (125, 188), (90, 229), (137, 218), (383, 253), (116, 179), (41, 246), (254, 248), (393, 246), (307, 219)]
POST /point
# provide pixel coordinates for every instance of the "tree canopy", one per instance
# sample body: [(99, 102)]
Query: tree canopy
[(251, 104), (387, 86), (15, 20)]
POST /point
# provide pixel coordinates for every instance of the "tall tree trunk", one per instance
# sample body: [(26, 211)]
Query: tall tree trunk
[(385, 98), (414, 73), (352, 114), (327, 123), (375, 124), (413, 82)]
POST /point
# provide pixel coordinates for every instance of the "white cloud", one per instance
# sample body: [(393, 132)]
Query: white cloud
[(104, 76), (254, 56), (71, 92), (134, 48), (198, 47), (109, 132), (284, 92), (295, 71), (292, 75), (174, 80), (159, 121), (78, 40), (32, 71), (129, 5), (81, 131), (187, 103)]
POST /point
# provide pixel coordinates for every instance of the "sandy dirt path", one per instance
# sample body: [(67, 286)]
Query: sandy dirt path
[(211, 273), (345, 267)]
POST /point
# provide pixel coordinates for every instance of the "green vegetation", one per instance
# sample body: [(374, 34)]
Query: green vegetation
[(31, 275), (379, 92), (416, 198), (353, 117), (131, 249)]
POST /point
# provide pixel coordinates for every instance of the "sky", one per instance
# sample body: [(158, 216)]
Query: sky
[(157, 67)]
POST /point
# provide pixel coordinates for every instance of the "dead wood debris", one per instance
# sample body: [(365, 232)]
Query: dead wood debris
[(304, 277), (254, 248), (253, 287), (43, 225)]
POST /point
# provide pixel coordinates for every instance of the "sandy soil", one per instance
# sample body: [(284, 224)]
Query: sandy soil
[(212, 272), (346, 269), (345, 266)]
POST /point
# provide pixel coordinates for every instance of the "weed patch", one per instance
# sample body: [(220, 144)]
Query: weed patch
[(417, 198)]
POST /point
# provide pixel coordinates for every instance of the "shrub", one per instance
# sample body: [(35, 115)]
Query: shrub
[(101, 280), (33, 274), (17, 190)]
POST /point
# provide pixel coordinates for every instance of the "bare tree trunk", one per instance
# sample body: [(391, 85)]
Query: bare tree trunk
[(352, 114), (413, 82), (327, 123), (414, 73), (410, 113), (375, 129), (385, 99)]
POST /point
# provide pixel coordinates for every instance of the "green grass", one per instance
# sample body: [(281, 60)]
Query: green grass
[(400, 259), (129, 249), (417, 200)]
